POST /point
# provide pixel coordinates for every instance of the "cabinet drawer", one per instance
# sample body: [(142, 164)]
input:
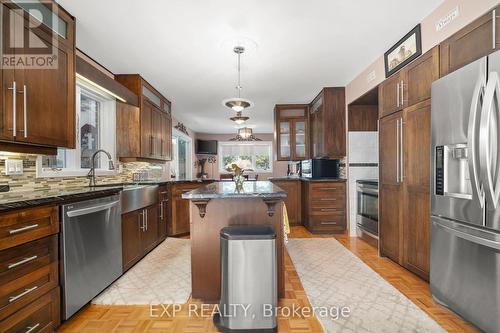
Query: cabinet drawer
[(327, 222), (26, 225), (19, 292), (41, 316), (328, 202), (27, 258), (327, 210)]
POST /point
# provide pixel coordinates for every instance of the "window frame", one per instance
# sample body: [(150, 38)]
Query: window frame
[(108, 143), (268, 144), (174, 164)]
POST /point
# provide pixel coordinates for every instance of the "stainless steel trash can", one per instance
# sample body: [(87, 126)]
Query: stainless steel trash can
[(249, 287)]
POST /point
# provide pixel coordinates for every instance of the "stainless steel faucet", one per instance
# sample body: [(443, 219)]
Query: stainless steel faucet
[(91, 174)]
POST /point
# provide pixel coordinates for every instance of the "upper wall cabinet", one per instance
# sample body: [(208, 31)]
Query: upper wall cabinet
[(292, 132), (144, 133), (38, 82), (476, 40), (327, 117), (411, 85)]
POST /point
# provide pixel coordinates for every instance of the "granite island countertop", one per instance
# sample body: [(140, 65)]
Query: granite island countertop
[(227, 190), (305, 179)]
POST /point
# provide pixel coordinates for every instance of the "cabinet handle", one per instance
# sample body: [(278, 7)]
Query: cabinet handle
[(32, 328), (29, 227), (146, 219), (397, 151), (494, 31), (161, 147), (327, 188), (14, 125), (402, 163), (328, 199), (402, 87), (151, 145), (24, 293), (328, 223), (161, 211), (141, 221), (25, 111), (328, 209), (397, 95), (24, 261)]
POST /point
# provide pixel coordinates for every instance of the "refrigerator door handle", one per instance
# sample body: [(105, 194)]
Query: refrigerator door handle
[(473, 139), (490, 170), (467, 236)]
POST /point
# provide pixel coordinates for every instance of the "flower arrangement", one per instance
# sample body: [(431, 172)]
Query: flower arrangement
[(238, 168)]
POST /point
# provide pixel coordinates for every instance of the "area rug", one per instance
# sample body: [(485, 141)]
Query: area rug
[(162, 277), (333, 277)]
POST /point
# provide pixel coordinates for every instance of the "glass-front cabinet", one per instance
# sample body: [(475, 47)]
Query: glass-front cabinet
[(292, 134)]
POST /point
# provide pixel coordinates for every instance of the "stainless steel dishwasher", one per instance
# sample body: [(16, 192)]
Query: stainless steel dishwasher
[(91, 250)]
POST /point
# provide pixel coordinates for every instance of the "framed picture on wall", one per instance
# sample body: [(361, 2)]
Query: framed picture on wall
[(404, 51)]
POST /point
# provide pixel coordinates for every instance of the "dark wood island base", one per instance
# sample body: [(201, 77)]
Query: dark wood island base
[(218, 205)]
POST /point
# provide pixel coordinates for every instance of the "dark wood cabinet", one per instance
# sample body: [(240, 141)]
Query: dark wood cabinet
[(390, 95), (150, 125), (163, 219), (293, 201), (324, 206), (139, 234), (328, 124), (390, 187), (472, 42), (29, 269), (363, 118), (42, 106), (416, 176), (411, 85), (42, 315), (131, 238), (179, 223), (292, 132), (150, 235), (404, 202), (418, 77)]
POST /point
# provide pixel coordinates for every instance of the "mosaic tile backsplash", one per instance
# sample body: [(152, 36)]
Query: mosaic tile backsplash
[(29, 182)]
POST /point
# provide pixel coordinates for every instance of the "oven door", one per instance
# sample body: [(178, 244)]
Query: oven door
[(367, 209)]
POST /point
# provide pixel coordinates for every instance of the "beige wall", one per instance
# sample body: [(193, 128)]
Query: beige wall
[(469, 11), (279, 168)]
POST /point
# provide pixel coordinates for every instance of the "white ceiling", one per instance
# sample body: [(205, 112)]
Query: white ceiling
[(184, 48)]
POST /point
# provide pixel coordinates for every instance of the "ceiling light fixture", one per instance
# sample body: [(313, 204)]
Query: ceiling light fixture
[(245, 134), (239, 118), (238, 104)]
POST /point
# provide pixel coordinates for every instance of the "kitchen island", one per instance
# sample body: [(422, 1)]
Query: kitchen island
[(220, 204)]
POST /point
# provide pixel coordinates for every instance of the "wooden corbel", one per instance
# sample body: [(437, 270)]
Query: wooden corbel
[(271, 205), (202, 206)]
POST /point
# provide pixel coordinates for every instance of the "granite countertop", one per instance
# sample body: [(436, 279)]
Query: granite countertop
[(305, 179), (26, 199), (227, 190)]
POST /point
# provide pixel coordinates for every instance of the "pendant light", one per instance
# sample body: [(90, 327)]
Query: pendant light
[(239, 118), (238, 104), (245, 134)]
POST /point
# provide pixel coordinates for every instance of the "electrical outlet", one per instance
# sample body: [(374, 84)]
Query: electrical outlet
[(13, 167)]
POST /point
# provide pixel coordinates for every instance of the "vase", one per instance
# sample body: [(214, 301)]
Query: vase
[(239, 180)]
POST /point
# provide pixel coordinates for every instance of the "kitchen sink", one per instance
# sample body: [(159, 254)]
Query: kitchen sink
[(135, 197)]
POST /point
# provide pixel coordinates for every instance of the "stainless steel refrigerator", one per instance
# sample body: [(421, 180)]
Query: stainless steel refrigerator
[(465, 190)]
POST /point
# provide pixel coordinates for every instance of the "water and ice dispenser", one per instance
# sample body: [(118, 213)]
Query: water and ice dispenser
[(452, 171)]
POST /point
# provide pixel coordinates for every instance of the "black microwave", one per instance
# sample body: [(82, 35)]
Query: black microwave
[(320, 168)]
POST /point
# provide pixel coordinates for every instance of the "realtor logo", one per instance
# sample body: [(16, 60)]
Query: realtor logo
[(29, 35)]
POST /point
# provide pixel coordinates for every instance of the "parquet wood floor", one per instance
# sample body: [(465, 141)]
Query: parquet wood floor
[(137, 319)]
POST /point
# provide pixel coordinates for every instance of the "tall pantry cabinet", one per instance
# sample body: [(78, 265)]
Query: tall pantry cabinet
[(404, 138)]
